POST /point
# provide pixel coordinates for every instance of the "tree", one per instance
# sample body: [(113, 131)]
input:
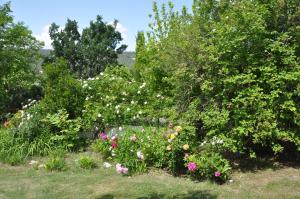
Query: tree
[(234, 66), (19, 55), (89, 53)]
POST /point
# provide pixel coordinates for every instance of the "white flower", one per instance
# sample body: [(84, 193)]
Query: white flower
[(139, 92), (123, 99), (101, 74), (87, 98), (99, 115), (140, 112), (128, 109), (158, 95), (106, 165), (132, 102), (145, 102), (140, 155), (113, 153), (97, 78), (120, 128), (118, 111)]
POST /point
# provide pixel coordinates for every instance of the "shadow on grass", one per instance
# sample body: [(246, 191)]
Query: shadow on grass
[(253, 165), (190, 195)]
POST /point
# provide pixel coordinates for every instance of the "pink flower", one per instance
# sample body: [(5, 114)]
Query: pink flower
[(125, 170), (121, 170), (192, 166), (103, 136), (114, 144), (114, 138), (217, 173)]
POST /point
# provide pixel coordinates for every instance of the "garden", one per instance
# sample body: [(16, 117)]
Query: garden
[(210, 108)]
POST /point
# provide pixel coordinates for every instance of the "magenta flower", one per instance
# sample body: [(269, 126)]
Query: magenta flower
[(217, 173), (192, 166), (103, 136), (114, 144)]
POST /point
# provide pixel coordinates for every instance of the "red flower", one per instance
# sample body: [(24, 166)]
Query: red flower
[(114, 144)]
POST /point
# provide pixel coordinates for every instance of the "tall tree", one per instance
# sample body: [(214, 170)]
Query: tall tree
[(89, 53), (19, 54)]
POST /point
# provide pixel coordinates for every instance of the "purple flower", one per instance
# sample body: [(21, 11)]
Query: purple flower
[(103, 136), (192, 166), (217, 173)]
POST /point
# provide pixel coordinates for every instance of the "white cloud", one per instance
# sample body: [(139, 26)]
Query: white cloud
[(44, 37), (120, 28)]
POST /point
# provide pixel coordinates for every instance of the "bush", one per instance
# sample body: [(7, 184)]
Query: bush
[(115, 98), (56, 161), (208, 165), (235, 66), (86, 162)]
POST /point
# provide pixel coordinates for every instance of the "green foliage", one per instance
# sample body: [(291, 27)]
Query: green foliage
[(18, 59), (233, 69), (90, 53), (86, 162), (62, 90)]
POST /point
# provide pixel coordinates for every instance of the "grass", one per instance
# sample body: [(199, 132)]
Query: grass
[(101, 183)]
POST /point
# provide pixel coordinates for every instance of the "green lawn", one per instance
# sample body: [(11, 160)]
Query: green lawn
[(25, 182)]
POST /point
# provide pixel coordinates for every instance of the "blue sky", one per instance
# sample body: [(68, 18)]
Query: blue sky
[(132, 14)]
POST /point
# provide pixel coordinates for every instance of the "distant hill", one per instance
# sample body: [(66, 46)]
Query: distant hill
[(126, 58)]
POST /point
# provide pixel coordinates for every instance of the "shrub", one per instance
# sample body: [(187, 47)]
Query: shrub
[(115, 98), (208, 165), (56, 161), (86, 162)]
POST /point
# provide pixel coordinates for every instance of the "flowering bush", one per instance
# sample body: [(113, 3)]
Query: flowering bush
[(115, 98), (208, 165)]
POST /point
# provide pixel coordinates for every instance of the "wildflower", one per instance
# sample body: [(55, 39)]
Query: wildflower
[(99, 115), (120, 128), (128, 109), (145, 102), (133, 138), (217, 173), (101, 74), (114, 144), (140, 155), (169, 148), (103, 136), (113, 154), (186, 147), (192, 166), (178, 129), (140, 112), (139, 92), (132, 102)]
